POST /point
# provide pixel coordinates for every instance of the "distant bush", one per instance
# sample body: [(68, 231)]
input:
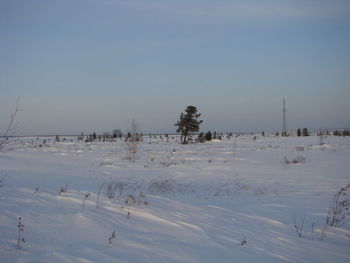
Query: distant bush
[(298, 159), (343, 133)]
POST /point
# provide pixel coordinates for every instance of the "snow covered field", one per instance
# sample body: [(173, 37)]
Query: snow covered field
[(220, 201)]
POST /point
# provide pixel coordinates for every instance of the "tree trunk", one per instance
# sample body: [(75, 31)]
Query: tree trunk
[(185, 137)]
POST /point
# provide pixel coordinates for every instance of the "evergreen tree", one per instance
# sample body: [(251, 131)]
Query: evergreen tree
[(188, 123), (208, 136), (337, 133), (117, 133), (346, 133), (201, 137), (305, 132), (299, 132)]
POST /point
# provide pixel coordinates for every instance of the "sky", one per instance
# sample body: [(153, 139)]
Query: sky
[(94, 65)]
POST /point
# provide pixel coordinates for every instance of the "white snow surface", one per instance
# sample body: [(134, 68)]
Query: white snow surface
[(186, 203)]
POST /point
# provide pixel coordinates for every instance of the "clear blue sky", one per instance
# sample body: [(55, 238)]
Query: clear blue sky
[(93, 65)]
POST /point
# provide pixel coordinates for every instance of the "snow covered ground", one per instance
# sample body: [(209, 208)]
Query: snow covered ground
[(222, 201)]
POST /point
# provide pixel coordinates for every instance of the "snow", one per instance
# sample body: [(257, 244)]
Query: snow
[(186, 203)]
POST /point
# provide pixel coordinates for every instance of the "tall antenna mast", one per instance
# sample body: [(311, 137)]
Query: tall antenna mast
[(284, 133)]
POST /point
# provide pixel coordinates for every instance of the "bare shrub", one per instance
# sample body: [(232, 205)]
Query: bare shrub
[(63, 189), (130, 200), (111, 191), (11, 128), (339, 208), (132, 141), (114, 189), (119, 188), (338, 211), (20, 239), (296, 160), (161, 186)]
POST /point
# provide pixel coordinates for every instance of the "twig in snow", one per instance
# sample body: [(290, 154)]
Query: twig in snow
[(85, 196), (243, 242), (20, 239), (129, 214), (113, 236), (298, 227)]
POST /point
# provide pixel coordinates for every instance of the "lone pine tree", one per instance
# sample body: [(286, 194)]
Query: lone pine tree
[(188, 123)]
